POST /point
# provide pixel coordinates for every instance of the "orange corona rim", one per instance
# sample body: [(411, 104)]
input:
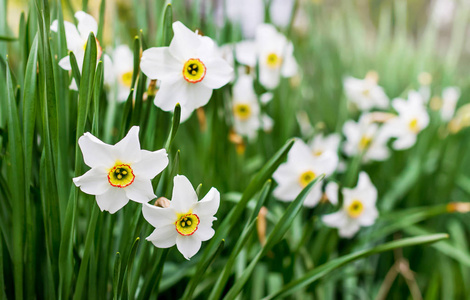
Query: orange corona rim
[(121, 175), (187, 224), (194, 70)]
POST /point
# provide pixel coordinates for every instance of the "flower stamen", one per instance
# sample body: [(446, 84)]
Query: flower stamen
[(194, 70), (187, 224), (121, 175)]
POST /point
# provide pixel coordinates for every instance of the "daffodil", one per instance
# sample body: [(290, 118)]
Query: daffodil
[(187, 222), (77, 38), (246, 110), (273, 52), (123, 69), (301, 168), (450, 96), (358, 210), (321, 144), (120, 172), (365, 138), (189, 69), (412, 118), (365, 93)]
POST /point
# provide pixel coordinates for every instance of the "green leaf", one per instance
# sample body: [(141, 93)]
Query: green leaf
[(75, 70), (321, 271), (167, 31), (174, 126), (4, 38), (130, 263), (117, 271)]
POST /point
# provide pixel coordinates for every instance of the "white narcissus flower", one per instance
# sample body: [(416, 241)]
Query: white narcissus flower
[(358, 208), (301, 168), (186, 222), (274, 53), (123, 70), (450, 96), (246, 110), (120, 172), (189, 69), (321, 144), (365, 93), (77, 38), (366, 138), (412, 118)]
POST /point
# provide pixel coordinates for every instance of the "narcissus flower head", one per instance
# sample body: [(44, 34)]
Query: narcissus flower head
[(189, 69), (187, 222), (301, 168), (120, 172), (123, 69), (358, 207), (365, 93)]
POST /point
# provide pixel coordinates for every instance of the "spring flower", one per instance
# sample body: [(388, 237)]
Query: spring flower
[(274, 53), (186, 222), (123, 70), (189, 69), (365, 138), (358, 208), (301, 168), (246, 110), (450, 96), (77, 37), (412, 118), (321, 144), (365, 93), (120, 172)]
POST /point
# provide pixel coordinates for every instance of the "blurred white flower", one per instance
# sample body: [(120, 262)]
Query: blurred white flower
[(273, 52), (450, 96), (412, 118), (442, 12), (425, 80), (187, 222), (301, 168), (365, 93), (358, 208), (120, 172), (366, 138), (246, 110), (189, 69), (321, 144), (77, 37), (123, 70)]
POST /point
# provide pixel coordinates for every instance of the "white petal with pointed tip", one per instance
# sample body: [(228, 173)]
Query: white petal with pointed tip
[(93, 182), (113, 200), (159, 216), (164, 237), (188, 245), (184, 196)]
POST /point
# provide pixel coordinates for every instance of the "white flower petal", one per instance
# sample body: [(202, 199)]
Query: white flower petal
[(336, 220), (404, 142), (140, 190), (74, 41), (113, 200), (86, 24), (218, 73), (199, 95), (128, 149), (269, 78), (208, 205), (158, 216), (64, 63), (188, 245), (204, 230), (151, 163), (245, 53), (172, 92), (184, 196), (93, 182), (164, 237), (184, 42), (350, 229), (331, 191), (368, 217), (313, 196), (287, 191), (95, 152), (159, 63)]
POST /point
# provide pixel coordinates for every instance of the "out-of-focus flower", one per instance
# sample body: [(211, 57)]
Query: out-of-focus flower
[(425, 80), (358, 208), (461, 119), (412, 118), (321, 144), (187, 222), (442, 12), (450, 96), (301, 168), (365, 138), (273, 52), (123, 70), (246, 110), (77, 38), (120, 172), (365, 93), (189, 69)]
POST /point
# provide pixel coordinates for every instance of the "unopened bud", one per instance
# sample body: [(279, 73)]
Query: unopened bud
[(162, 202)]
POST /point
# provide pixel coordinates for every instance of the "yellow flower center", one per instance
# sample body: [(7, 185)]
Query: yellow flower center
[(194, 70), (126, 79), (273, 60), (413, 125), (306, 177), (366, 93), (355, 209), (365, 141), (121, 175), (187, 224), (99, 50), (242, 111), (317, 152)]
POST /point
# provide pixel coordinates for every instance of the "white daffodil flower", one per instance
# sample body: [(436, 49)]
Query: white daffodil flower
[(450, 96), (321, 144), (123, 70), (366, 138), (365, 93), (120, 172), (247, 119), (412, 118), (77, 38), (186, 222), (358, 208), (273, 52), (301, 168), (189, 69)]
